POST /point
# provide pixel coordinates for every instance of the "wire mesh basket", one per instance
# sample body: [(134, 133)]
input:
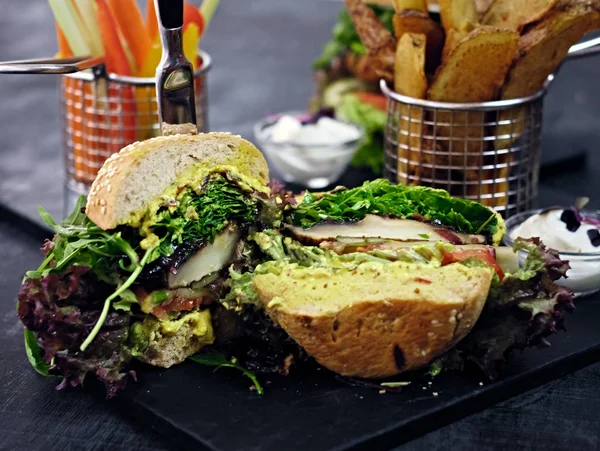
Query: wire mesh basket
[(488, 152), (102, 114)]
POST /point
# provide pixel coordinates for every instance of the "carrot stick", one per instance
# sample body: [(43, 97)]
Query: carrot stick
[(131, 24), (64, 49), (116, 58), (121, 105), (151, 20)]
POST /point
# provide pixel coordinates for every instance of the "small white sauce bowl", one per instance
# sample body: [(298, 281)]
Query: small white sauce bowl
[(584, 275), (313, 166)]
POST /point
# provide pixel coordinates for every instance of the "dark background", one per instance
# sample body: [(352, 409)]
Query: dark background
[(262, 52)]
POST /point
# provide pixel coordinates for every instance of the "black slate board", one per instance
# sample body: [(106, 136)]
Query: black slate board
[(312, 409)]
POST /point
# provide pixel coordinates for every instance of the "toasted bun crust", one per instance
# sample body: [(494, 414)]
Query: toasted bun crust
[(142, 171), (378, 320)]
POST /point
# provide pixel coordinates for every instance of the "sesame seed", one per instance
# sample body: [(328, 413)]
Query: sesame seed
[(103, 210), (452, 319), (102, 202), (108, 187), (382, 392), (454, 312), (430, 334), (423, 353), (459, 316), (435, 322), (435, 393), (481, 383)]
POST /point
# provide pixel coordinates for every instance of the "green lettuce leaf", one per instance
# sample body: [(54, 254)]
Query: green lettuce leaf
[(383, 198), (344, 36), (373, 120), (35, 353)]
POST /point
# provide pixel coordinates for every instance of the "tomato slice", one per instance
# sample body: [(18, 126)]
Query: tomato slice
[(486, 255), (177, 304), (372, 98)]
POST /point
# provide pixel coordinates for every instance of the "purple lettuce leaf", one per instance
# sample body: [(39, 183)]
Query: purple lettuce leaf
[(520, 312), (61, 309)]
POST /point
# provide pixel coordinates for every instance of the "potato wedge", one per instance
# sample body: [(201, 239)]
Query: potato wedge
[(543, 48), (516, 14), (481, 6), (476, 69), (459, 18), (473, 72), (417, 22), (419, 5), (458, 14), (378, 41), (541, 51), (453, 37), (410, 80)]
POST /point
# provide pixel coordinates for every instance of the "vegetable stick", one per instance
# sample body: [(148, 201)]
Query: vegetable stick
[(148, 69), (191, 36), (208, 8), (116, 58), (67, 18), (87, 16), (121, 97), (64, 50), (151, 20), (131, 24), (192, 15)]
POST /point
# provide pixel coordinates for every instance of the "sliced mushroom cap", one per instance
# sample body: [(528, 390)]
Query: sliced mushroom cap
[(373, 226), (207, 260)]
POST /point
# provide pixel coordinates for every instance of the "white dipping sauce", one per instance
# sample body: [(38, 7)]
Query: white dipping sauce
[(314, 155), (584, 275), (554, 233)]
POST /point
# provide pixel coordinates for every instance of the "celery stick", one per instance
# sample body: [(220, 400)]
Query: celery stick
[(87, 14), (207, 9), (66, 17)]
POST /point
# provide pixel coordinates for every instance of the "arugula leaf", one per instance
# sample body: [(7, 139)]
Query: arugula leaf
[(218, 360), (381, 197), (128, 298), (35, 353)]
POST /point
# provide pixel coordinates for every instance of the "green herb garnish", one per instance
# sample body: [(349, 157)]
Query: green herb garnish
[(218, 360)]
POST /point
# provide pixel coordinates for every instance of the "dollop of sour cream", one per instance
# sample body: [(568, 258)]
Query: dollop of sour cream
[(555, 233), (325, 131)]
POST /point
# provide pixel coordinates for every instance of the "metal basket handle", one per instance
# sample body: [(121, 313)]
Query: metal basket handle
[(50, 65), (586, 48)]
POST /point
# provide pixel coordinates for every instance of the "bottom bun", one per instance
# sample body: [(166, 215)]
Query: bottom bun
[(378, 320)]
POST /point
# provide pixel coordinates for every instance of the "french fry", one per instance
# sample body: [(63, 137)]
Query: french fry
[(378, 41), (410, 80), (131, 24), (516, 14), (473, 72), (418, 5), (417, 22)]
